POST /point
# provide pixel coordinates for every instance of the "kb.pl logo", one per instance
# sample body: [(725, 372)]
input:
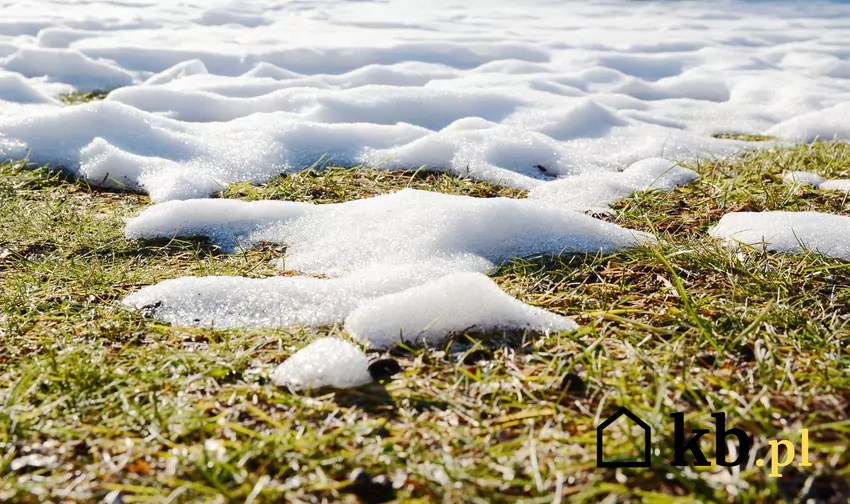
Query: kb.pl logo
[(683, 444)]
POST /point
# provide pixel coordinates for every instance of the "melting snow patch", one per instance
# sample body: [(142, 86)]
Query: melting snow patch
[(412, 226), (454, 304), (228, 223), (115, 145), (326, 362), (816, 181), (397, 229), (790, 232), (237, 302), (803, 178), (374, 248), (596, 192)]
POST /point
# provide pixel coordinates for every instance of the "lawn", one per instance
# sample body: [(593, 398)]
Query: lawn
[(101, 402)]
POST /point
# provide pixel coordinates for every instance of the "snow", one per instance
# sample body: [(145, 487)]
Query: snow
[(400, 253), (816, 181), (789, 232), (227, 223), (397, 261), (409, 226), (326, 362), (280, 301), (453, 304), (803, 178), (596, 191), (173, 160), (15, 89), (423, 303), (178, 72), (841, 185), (68, 66), (827, 124), (522, 95)]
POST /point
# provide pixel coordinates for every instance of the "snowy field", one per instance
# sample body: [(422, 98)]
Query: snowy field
[(579, 103), (517, 94)]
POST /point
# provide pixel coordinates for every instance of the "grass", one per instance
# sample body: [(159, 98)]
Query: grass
[(745, 137), (79, 97), (99, 402), (335, 184)]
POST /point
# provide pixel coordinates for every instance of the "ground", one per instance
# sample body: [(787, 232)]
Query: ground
[(100, 402)]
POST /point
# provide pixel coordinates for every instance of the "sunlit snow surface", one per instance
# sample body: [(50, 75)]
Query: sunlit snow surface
[(580, 103), (326, 362), (790, 232), (511, 92), (401, 228), (454, 304), (404, 266)]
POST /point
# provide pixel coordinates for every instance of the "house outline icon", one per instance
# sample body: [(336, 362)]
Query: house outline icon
[(647, 440)]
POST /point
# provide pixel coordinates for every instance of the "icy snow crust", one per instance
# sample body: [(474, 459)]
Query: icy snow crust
[(514, 93), (790, 232)]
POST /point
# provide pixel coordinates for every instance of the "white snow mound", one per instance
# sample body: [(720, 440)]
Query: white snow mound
[(456, 303), (277, 302), (15, 89), (68, 66), (326, 362), (114, 145), (789, 232), (816, 181), (396, 229), (595, 192), (826, 124), (228, 223), (411, 226)]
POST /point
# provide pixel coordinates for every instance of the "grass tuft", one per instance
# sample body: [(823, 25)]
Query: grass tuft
[(80, 97), (744, 137), (335, 185)]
